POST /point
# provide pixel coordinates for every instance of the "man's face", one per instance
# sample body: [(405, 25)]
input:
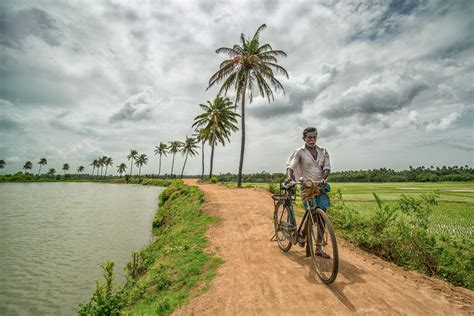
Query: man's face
[(310, 139)]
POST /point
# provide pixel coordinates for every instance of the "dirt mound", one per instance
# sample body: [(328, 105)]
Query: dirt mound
[(257, 278)]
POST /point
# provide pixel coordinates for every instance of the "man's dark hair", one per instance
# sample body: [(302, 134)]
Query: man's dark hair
[(309, 130)]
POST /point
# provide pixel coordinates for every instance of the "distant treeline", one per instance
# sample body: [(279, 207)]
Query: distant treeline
[(418, 174)]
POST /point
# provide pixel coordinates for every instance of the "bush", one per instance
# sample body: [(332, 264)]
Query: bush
[(400, 234)]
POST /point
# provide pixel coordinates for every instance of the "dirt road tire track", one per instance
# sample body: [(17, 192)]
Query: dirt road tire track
[(256, 278)]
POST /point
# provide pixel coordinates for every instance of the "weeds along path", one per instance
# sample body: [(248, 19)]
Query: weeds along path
[(256, 278)]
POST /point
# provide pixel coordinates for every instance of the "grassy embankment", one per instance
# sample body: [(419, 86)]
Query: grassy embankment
[(428, 227), (173, 268)]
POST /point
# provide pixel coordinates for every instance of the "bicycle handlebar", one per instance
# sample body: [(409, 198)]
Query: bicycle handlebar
[(292, 184)]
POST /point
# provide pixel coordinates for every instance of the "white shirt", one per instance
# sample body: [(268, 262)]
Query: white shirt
[(304, 165)]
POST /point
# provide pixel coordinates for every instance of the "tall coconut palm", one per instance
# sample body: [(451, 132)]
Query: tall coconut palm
[(65, 167), (189, 149), (108, 162), (93, 164), (102, 161), (251, 67), (98, 166), (132, 156), (142, 159), (217, 122), (27, 166), (41, 163), (80, 169), (200, 135), (2, 164), (175, 146), (121, 168), (161, 150)]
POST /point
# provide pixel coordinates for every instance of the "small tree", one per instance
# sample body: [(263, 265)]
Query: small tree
[(121, 168), (161, 150), (188, 149), (27, 166), (65, 168), (132, 156), (41, 163), (141, 160)]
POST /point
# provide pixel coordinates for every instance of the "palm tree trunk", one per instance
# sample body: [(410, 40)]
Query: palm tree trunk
[(93, 169), (39, 170), (182, 171), (242, 145), (159, 169), (131, 167), (202, 160), (212, 160), (172, 166), (105, 175), (139, 171)]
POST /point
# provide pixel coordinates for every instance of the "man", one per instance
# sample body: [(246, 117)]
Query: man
[(311, 162)]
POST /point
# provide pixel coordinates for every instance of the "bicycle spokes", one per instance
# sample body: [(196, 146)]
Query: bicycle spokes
[(323, 247)]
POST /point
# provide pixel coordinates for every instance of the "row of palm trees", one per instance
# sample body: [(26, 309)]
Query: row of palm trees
[(249, 69)]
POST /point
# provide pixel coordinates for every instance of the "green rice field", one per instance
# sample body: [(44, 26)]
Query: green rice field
[(453, 216)]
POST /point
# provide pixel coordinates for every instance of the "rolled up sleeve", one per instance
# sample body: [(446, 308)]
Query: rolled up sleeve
[(293, 160)]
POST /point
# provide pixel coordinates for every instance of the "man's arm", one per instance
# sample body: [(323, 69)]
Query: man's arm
[(326, 173), (290, 175)]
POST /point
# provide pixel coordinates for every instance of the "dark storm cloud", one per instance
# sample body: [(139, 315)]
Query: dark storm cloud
[(136, 108), (15, 27), (375, 96), (297, 95)]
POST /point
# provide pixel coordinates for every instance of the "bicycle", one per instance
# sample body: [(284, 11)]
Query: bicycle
[(318, 230)]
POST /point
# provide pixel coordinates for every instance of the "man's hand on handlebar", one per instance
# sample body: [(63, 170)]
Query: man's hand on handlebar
[(289, 176)]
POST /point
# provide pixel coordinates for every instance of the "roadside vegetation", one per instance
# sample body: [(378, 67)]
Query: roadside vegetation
[(171, 269)]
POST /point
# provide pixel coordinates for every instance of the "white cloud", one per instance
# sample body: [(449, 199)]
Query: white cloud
[(137, 107), (443, 123)]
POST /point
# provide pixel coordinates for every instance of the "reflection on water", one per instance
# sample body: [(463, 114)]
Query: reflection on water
[(54, 236)]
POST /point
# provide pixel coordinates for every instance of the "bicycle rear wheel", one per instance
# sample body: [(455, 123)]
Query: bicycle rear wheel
[(282, 221), (323, 246)]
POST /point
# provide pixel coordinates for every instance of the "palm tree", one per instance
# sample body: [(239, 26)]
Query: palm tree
[(250, 67), (161, 150), (93, 164), (2, 164), (41, 163), (108, 162), (27, 166), (174, 147), (121, 168), (188, 149), (102, 161), (200, 135), (51, 172), (65, 167), (141, 160), (80, 169), (216, 122), (132, 156)]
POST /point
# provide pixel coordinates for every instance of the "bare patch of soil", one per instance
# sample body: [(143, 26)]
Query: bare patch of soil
[(258, 279)]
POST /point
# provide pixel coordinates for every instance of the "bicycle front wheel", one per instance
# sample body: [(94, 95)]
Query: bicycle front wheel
[(323, 246), (282, 221)]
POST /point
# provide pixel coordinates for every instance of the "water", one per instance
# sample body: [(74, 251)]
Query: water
[(54, 236)]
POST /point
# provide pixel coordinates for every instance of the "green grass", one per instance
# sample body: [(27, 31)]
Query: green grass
[(453, 216)]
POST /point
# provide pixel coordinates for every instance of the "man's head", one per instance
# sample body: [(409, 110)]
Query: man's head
[(310, 134)]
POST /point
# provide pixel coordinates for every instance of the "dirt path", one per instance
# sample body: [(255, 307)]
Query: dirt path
[(257, 278)]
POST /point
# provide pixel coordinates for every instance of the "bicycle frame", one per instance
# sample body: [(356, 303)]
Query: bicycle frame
[(288, 201)]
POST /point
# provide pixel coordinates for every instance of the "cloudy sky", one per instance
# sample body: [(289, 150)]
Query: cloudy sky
[(387, 83)]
